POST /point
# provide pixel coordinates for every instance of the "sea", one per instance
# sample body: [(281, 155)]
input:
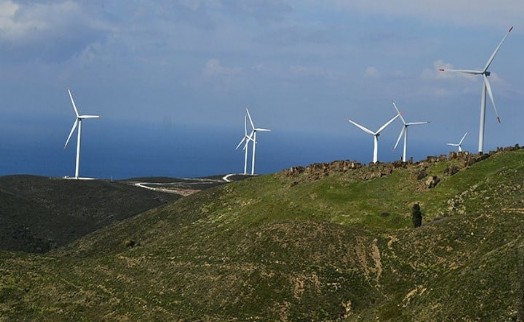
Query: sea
[(175, 151)]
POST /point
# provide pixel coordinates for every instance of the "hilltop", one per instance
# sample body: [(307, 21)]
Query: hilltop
[(304, 244), (38, 214)]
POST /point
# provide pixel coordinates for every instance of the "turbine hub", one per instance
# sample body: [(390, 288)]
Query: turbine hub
[(487, 73)]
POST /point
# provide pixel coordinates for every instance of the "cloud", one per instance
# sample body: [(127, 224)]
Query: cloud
[(298, 35), (435, 92), (263, 11), (459, 12), (45, 30), (304, 71), (371, 72), (214, 68)]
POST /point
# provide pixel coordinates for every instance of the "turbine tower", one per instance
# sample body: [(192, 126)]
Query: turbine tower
[(245, 140), (404, 132), (375, 135), (459, 145), (253, 136), (486, 88), (77, 124)]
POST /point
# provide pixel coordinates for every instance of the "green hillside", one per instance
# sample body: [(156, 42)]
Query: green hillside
[(320, 244), (40, 213)]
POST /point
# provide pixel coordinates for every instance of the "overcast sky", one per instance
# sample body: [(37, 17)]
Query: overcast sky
[(302, 67)]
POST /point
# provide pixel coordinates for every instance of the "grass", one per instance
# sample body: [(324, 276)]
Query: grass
[(39, 213), (295, 248)]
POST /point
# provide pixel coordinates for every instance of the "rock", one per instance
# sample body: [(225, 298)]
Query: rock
[(451, 170), (432, 182)]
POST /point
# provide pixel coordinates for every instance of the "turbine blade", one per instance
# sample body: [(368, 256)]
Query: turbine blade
[(240, 143), (245, 125), (262, 130), (73, 102), (452, 144), (463, 137), (400, 136), (401, 117), (490, 60), (416, 123), (88, 116), (368, 131), (388, 123), (490, 94), (71, 133), (250, 119), (465, 71), (250, 137)]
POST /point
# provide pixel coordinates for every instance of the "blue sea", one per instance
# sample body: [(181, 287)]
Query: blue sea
[(126, 151)]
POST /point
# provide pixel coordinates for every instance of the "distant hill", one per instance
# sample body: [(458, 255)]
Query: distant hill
[(329, 242), (40, 213)]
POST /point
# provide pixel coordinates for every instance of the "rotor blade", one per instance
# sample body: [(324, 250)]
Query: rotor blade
[(462, 139), (250, 137), (452, 144), (88, 116), (368, 131), (240, 143), (250, 119), (262, 130), (490, 94), (465, 71), (490, 60), (71, 133), (73, 102), (401, 117), (388, 123), (400, 136), (416, 123), (245, 125)]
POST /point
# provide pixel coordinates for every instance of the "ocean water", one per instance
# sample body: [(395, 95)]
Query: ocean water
[(134, 151)]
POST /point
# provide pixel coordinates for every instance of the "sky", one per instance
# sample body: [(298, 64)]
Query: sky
[(171, 80)]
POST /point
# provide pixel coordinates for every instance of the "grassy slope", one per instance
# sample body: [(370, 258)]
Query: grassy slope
[(39, 213), (281, 248)]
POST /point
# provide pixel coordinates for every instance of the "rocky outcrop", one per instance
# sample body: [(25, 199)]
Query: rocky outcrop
[(432, 182), (364, 172)]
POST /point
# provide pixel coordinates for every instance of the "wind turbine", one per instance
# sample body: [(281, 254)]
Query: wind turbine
[(253, 136), (404, 132), (375, 135), (245, 140), (459, 145), (77, 124), (486, 88)]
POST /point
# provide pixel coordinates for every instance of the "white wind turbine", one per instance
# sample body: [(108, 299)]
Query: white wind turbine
[(404, 132), (459, 145), (375, 135), (245, 140), (486, 88), (78, 123), (253, 137)]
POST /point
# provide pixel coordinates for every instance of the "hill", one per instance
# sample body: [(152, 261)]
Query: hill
[(308, 244), (39, 213)]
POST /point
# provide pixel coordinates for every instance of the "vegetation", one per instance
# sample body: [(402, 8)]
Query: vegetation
[(38, 213), (293, 247)]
